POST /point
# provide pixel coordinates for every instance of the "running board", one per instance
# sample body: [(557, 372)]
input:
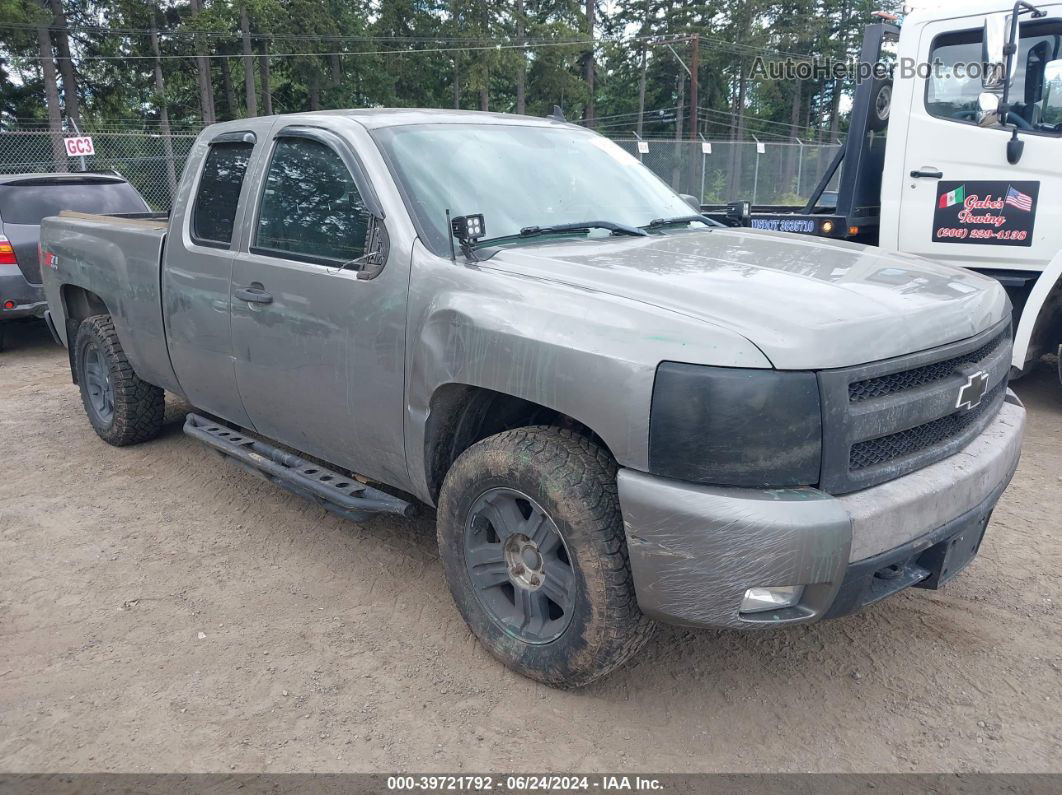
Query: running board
[(331, 490)]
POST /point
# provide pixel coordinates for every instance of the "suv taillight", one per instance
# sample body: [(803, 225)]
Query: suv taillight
[(7, 252)]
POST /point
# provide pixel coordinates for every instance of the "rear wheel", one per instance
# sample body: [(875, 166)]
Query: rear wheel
[(122, 408), (533, 546)]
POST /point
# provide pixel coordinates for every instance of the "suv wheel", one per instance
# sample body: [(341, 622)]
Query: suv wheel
[(122, 408), (532, 543)]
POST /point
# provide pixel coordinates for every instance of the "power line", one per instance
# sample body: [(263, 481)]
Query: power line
[(309, 53), (747, 117), (237, 36)]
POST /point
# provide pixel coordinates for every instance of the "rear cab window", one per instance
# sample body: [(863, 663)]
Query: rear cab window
[(218, 193), (28, 202)]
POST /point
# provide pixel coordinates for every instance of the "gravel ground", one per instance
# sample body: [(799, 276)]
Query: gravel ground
[(161, 610)]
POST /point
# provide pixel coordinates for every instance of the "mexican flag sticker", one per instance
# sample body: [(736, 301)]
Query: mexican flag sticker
[(956, 196)]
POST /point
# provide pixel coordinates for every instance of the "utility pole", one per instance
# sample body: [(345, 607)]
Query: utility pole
[(248, 62), (588, 65), (641, 93), (694, 64)]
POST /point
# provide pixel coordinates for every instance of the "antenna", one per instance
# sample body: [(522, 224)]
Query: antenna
[(450, 234), (557, 114)]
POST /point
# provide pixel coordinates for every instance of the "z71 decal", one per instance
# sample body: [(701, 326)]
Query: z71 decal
[(987, 213)]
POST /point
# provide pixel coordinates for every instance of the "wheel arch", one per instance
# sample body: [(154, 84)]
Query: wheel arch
[(78, 303), (1041, 317), (460, 415)]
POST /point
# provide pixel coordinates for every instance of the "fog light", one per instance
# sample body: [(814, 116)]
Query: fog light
[(759, 600)]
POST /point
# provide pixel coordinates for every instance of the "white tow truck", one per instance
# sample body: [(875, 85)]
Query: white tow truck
[(955, 155)]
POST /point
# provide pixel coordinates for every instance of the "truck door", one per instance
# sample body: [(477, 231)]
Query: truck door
[(319, 348), (960, 201), (196, 275)]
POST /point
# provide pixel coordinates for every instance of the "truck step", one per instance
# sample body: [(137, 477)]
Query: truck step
[(333, 491)]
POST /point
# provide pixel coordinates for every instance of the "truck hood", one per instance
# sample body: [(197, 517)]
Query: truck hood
[(807, 303)]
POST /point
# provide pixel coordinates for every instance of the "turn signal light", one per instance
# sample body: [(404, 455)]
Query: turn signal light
[(7, 252), (827, 227)]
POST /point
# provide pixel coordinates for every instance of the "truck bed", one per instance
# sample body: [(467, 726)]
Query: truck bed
[(117, 258)]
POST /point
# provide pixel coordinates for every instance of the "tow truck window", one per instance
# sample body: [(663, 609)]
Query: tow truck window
[(1036, 92), (311, 209), (219, 192)]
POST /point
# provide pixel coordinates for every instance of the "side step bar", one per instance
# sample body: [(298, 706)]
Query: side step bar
[(335, 492)]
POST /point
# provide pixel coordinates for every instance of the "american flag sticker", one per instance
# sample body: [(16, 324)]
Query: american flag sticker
[(1015, 198)]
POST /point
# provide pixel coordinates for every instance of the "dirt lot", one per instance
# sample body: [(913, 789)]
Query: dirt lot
[(161, 610)]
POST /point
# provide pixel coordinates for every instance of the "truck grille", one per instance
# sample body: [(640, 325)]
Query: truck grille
[(903, 443), (885, 419), (920, 376)]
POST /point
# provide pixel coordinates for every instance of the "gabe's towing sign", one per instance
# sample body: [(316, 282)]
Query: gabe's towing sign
[(79, 147), (992, 213)]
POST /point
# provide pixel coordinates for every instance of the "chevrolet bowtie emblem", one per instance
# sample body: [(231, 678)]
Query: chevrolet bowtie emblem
[(972, 391)]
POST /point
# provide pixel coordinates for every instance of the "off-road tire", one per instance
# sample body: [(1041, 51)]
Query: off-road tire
[(574, 481), (138, 405)]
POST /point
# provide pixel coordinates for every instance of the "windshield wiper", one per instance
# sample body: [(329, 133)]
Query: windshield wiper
[(580, 226), (659, 223)]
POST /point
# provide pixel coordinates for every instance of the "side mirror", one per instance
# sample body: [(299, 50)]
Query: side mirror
[(1053, 74), (987, 105), (691, 201), (994, 76)]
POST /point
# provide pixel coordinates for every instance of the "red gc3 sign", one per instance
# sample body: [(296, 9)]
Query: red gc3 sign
[(79, 147)]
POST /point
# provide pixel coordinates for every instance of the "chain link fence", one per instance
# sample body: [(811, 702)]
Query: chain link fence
[(151, 162), (716, 172)]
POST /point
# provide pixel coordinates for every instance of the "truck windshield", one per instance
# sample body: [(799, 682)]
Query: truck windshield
[(520, 176), (29, 202)]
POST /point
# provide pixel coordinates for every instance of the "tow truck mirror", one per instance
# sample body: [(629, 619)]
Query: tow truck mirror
[(994, 76), (1053, 74), (987, 105)]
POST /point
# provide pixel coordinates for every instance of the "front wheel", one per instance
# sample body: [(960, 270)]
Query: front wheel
[(122, 408), (533, 547)]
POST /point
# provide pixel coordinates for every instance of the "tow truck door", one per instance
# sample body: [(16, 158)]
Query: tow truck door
[(959, 200)]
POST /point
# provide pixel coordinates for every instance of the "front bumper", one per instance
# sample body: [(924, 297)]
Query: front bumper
[(695, 550), (28, 299)]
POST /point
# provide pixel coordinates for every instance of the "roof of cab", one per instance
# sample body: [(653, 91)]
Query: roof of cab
[(374, 118)]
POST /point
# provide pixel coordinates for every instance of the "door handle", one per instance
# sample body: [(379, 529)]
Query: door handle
[(254, 295), (930, 173)]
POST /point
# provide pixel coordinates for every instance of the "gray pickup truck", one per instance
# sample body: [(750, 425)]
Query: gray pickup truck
[(621, 412)]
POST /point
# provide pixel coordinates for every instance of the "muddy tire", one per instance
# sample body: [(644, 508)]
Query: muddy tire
[(533, 547), (122, 408)]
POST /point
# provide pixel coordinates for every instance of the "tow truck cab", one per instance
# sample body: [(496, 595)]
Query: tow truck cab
[(957, 158)]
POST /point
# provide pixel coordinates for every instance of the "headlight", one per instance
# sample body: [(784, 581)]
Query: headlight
[(735, 427)]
